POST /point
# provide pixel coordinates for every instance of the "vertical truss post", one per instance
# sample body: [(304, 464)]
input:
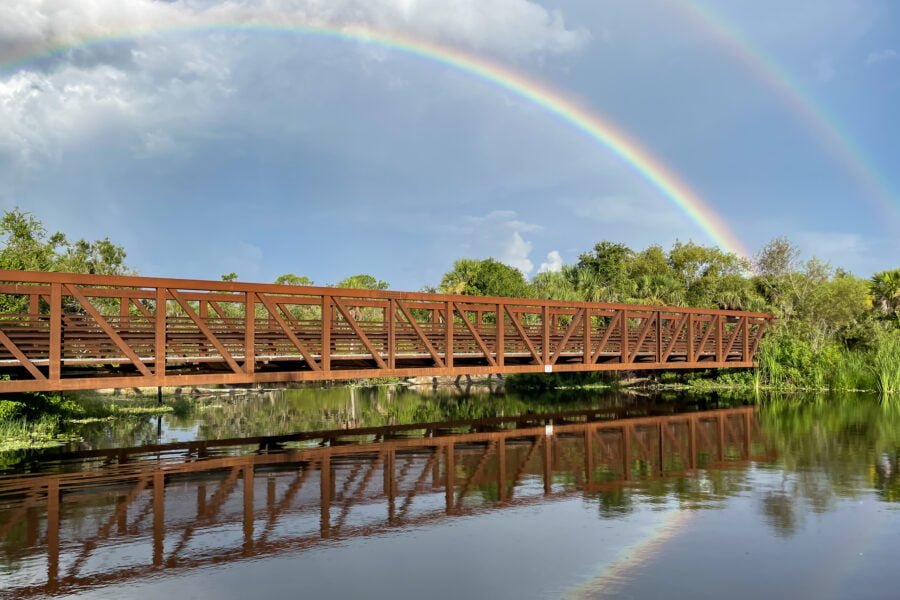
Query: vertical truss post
[(745, 346), (659, 344), (448, 336), (123, 311), (326, 333), (586, 341), (623, 334), (55, 332), (691, 354), (160, 335), (545, 334), (250, 332), (390, 321), (34, 304), (499, 345), (720, 333)]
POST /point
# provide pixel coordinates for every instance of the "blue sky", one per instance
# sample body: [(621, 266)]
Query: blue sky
[(261, 153)]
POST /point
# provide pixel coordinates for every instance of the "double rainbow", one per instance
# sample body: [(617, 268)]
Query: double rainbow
[(825, 127), (598, 128)]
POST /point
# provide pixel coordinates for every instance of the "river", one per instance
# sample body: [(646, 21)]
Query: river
[(389, 492)]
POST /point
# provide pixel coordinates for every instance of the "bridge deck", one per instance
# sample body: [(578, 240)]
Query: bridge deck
[(64, 331)]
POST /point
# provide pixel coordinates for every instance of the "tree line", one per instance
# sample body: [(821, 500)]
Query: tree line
[(827, 317)]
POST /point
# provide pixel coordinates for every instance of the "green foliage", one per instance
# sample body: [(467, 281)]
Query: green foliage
[(230, 276), (26, 245), (885, 290), (362, 282), (11, 410), (291, 279), (605, 275), (886, 363), (486, 277)]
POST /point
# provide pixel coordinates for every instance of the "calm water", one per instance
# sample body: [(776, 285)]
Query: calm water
[(388, 493)]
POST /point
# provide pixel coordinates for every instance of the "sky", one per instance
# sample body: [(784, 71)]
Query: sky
[(207, 137)]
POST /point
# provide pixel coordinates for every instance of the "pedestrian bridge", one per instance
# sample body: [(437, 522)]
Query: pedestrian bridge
[(62, 331)]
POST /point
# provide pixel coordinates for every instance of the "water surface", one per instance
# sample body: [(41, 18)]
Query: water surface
[(396, 494)]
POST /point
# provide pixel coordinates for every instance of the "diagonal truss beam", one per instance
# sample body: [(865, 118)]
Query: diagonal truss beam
[(734, 335), (481, 345), (359, 333), (676, 331), (108, 330), (711, 326), (576, 321), (524, 335), (20, 356), (422, 336), (611, 328), (273, 309), (754, 346), (205, 330), (642, 335)]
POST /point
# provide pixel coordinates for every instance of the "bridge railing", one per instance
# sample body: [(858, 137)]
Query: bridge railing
[(69, 331)]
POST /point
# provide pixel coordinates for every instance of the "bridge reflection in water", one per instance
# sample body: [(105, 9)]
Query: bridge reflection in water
[(116, 516)]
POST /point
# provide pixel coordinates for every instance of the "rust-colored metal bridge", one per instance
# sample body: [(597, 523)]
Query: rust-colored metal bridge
[(62, 331)]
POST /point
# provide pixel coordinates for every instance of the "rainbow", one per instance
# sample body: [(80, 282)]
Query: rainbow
[(596, 127), (839, 144)]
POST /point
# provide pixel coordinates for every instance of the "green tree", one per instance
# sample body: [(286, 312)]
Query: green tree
[(26, 245), (291, 279), (557, 285), (362, 282), (486, 277), (711, 277), (604, 273), (885, 290)]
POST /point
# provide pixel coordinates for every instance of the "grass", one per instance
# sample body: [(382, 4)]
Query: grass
[(22, 434), (886, 365), (787, 364)]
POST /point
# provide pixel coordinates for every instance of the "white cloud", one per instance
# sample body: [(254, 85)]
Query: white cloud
[(498, 235), (508, 27), (151, 91), (630, 211), (887, 54), (554, 263)]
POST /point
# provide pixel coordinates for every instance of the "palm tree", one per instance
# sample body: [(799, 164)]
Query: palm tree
[(885, 290)]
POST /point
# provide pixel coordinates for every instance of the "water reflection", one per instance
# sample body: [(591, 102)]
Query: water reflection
[(101, 517)]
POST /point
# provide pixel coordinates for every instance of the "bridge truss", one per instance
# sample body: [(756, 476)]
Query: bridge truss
[(61, 331)]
